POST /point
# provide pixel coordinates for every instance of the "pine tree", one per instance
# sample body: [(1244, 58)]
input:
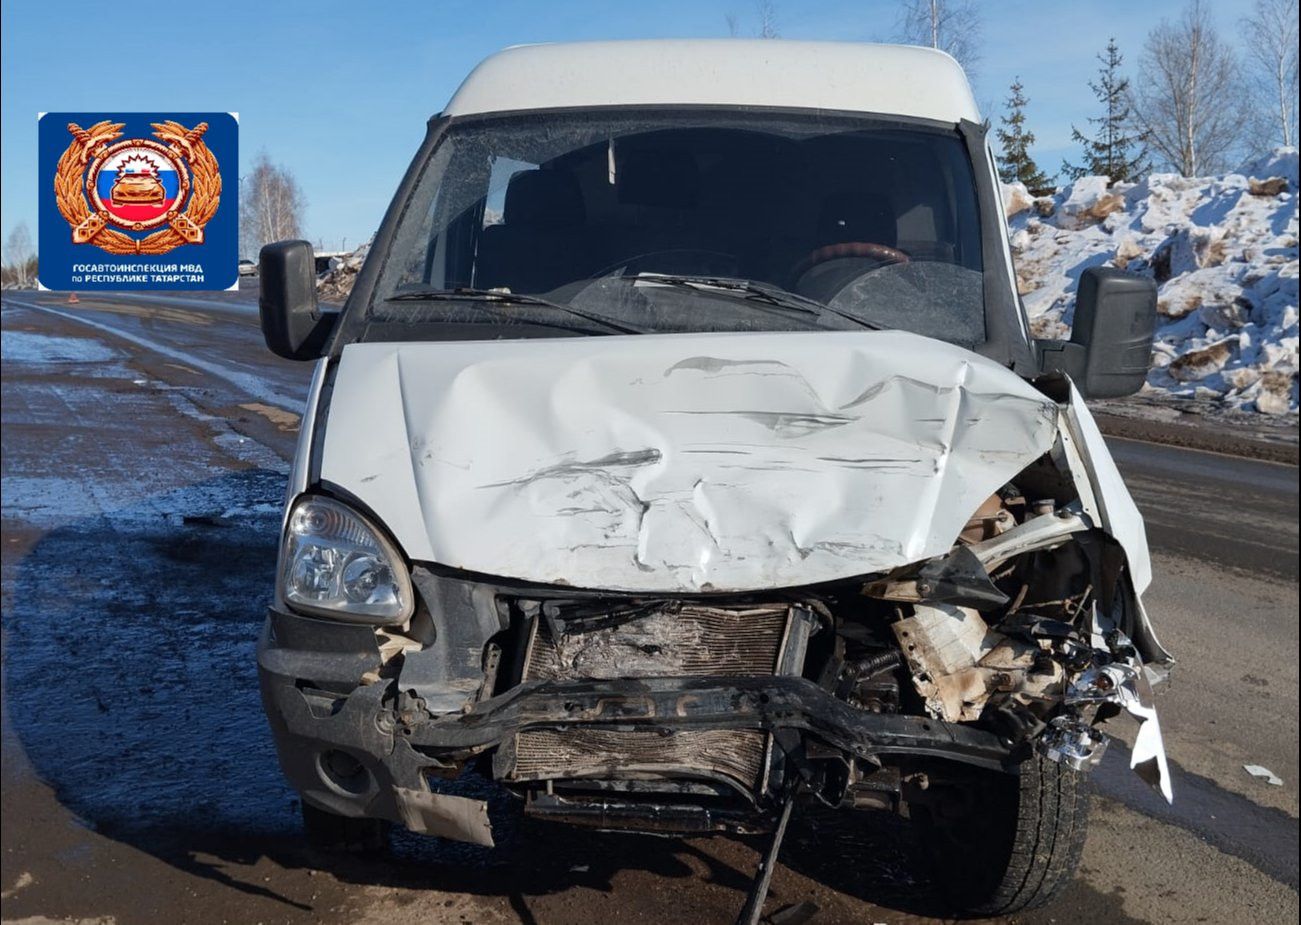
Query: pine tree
[(1113, 152), (1017, 166)]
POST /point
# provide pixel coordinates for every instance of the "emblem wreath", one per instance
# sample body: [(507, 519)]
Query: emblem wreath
[(91, 227)]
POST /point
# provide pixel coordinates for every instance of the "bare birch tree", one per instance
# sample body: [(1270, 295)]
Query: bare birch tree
[(1270, 35), (766, 10), (18, 255), (271, 206), (1188, 101), (952, 26)]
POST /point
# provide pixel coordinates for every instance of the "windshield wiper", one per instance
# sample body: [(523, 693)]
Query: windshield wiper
[(468, 294), (753, 291)]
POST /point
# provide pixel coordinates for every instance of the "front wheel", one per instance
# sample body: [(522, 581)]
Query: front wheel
[(1016, 840)]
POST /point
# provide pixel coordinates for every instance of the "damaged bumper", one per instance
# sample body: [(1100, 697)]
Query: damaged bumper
[(687, 717), (337, 736), (357, 753)]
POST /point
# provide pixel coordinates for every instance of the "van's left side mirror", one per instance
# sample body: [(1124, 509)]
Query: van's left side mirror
[(292, 323), (1110, 348)]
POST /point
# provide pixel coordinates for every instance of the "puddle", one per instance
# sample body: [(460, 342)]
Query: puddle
[(129, 660)]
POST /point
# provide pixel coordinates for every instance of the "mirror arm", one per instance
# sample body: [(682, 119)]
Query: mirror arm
[(315, 343), (1062, 356)]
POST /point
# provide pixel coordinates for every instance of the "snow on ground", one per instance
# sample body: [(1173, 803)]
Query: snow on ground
[(29, 347), (335, 283), (1223, 251)]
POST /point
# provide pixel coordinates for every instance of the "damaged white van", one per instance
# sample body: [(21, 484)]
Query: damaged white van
[(682, 456)]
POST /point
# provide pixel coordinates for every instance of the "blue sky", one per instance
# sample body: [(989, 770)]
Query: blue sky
[(340, 92)]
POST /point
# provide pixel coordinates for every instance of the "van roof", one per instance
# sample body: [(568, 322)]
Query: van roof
[(847, 76)]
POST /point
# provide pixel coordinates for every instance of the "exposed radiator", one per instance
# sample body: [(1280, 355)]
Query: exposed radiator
[(672, 640), (588, 752), (659, 639)]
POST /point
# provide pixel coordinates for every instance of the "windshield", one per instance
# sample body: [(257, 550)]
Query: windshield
[(693, 220)]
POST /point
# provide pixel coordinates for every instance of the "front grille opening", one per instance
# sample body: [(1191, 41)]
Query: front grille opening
[(736, 757), (666, 639), (567, 641)]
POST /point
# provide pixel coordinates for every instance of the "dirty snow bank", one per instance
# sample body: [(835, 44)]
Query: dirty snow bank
[(1223, 251), (336, 283)]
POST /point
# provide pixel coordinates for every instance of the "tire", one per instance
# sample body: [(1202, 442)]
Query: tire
[(1020, 843), (332, 832)]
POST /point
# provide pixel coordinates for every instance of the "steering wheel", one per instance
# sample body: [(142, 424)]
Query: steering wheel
[(868, 249)]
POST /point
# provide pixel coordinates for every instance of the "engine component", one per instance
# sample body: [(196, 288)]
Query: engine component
[(1072, 742), (1125, 684), (958, 663)]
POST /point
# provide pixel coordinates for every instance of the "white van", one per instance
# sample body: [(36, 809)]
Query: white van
[(683, 456)]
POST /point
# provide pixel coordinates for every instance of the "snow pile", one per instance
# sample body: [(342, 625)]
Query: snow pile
[(1223, 251), (336, 283)]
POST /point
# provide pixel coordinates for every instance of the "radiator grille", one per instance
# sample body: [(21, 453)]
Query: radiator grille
[(674, 641), (593, 752), (670, 639)]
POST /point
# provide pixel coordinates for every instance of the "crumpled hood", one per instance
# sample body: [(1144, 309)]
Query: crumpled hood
[(679, 463)]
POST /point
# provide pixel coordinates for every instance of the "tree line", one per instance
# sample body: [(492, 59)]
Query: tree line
[(1194, 108)]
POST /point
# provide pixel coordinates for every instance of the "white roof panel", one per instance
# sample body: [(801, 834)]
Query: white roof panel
[(849, 76)]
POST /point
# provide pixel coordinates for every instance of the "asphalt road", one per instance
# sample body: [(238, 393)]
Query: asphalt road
[(145, 446)]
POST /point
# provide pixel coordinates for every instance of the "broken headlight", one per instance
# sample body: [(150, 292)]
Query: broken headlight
[(335, 564)]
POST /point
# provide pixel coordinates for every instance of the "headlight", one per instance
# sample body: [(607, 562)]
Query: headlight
[(335, 564)]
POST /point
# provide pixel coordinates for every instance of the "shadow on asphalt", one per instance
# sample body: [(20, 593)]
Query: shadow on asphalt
[(132, 686)]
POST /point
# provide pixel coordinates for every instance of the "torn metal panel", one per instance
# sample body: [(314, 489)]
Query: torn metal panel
[(445, 815), (1106, 501), (1101, 487), (679, 463), (957, 663), (1126, 685)]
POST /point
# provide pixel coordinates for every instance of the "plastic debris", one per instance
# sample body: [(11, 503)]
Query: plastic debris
[(1266, 774)]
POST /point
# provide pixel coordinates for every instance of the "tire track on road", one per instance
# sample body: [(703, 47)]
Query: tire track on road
[(250, 384)]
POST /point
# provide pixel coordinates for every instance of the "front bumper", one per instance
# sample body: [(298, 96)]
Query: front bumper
[(324, 699)]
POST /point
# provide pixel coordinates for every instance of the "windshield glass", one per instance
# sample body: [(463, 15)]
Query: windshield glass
[(693, 220)]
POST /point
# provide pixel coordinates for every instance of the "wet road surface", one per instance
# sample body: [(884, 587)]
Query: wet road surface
[(146, 441)]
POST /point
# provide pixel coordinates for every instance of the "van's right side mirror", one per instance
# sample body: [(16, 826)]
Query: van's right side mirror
[(293, 325), (1110, 348)]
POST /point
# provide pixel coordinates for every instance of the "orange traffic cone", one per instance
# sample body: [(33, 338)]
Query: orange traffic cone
[(72, 298)]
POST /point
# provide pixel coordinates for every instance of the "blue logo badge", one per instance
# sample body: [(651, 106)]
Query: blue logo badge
[(139, 201)]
